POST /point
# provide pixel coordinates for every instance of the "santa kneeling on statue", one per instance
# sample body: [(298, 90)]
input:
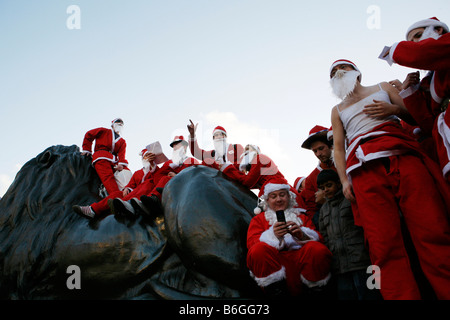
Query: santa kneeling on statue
[(285, 254)]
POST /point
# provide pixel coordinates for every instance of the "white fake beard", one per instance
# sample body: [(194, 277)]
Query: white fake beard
[(178, 156), (247, 158), (220, 146), (343, 83), (429, 32), (291, 214), (117, 128), (146, 165)]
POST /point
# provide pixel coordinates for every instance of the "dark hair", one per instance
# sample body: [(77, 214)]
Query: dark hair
[(327, 175), (183, 142), (321, 138)]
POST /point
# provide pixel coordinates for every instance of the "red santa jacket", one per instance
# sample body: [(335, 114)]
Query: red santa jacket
[(308, 194), (169, 166), (261, 230), (139, 176), (107, 146), (426, 101), (234, 152)]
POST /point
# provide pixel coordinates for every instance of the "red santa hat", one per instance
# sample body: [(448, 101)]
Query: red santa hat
[(330, 134), (343, 61), (316, 133), (143, 152), (178, 139), (271, 185), (427, 23), (219, 129), (298, 182)]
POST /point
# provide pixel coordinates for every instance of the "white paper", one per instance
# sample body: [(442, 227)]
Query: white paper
[(156, 149)]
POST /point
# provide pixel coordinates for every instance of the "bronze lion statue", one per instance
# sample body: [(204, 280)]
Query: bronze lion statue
[(197, 250)]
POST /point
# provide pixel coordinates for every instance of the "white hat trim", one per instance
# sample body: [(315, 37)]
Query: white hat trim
[(218, 130), (271, 187), (343, 61), (299, 183), (426, 23)]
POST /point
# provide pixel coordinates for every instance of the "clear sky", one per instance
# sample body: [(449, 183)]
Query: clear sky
[(259, 68)]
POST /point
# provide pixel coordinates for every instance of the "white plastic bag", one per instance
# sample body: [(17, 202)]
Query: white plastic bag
[(122, 178)]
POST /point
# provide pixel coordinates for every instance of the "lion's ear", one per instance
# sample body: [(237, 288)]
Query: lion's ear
[(47, 158)]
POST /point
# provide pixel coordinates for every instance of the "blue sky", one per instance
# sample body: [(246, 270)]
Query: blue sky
[(257, 67)]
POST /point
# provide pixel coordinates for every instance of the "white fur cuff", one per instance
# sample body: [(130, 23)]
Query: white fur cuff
[(269, 237), (409, 91), (312, 234), (312, 284), (271, 278)]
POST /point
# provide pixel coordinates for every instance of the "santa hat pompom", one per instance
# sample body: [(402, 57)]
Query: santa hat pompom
[(259, 207)]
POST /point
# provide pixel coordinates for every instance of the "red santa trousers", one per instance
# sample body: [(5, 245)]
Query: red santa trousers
[(268, 265), (407, 187), (105, 171)]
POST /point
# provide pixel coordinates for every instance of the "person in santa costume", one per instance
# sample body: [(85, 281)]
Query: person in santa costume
[(109, 153), (322, 147), (299, 184), (389, 179), (427, 48), (284, 258), (255, 170), (140, 182), (223, 152), (169, 169)]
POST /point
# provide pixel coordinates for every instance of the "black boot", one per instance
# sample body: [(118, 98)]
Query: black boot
[(139, 207), (123, 209), (153, 205), (277, 290)]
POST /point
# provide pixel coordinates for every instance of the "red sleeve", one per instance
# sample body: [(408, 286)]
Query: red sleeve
[(260, 164), (309, 194), (263, 166), (417, 105), (429, 54), (251, 179), (255, 229), (234, 174), (89, 138), (121, 153), (163, 171), (135, 180)]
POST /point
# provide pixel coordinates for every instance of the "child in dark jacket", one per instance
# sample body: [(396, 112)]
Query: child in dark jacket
[(345, 240)]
